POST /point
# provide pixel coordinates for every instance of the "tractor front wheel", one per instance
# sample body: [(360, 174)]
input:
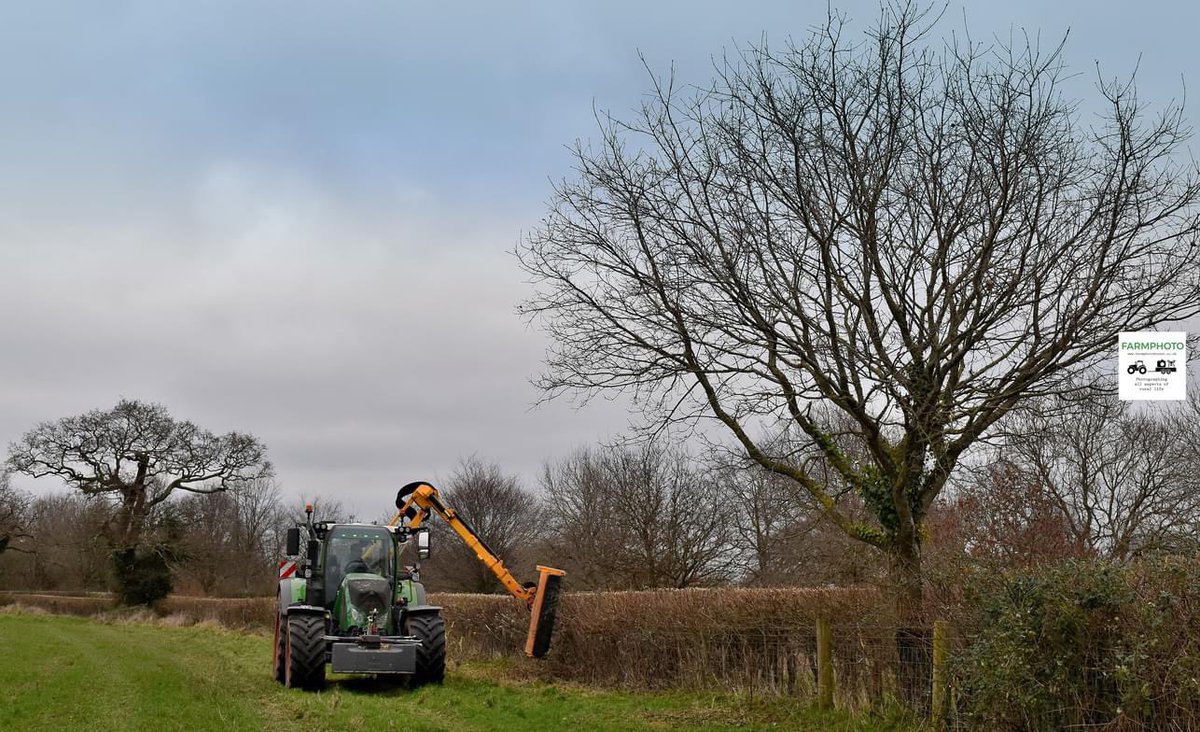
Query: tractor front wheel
[(304, 662), (430, 629)]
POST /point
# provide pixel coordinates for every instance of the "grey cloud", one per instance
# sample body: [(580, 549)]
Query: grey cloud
[(293, 219)]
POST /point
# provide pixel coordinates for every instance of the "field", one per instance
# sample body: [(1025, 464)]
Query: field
[(75, 673)]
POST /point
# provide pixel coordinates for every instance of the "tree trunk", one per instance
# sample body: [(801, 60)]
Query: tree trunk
[(913, 636), (906, 582), (131, 517), (141, 574)]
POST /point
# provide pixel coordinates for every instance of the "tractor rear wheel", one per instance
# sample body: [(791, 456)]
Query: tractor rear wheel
[(430, 629), (280, 652), (304, 663)]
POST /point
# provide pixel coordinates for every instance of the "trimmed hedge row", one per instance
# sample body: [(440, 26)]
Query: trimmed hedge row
[(743, 638), (1087, 644)]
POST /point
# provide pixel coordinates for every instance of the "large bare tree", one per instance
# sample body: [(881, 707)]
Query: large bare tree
[(916, 233), (137, 455)]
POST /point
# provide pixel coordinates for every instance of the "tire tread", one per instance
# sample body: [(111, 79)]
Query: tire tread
[(306, 660), (431, 654)]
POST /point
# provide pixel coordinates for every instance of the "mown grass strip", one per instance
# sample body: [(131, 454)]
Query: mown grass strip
[(73, 673)]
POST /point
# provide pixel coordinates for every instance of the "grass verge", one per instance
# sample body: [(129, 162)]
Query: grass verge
[(75, 673)]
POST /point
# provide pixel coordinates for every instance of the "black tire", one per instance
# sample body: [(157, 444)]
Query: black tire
[(430, 629), (305, 653), (279, 653)]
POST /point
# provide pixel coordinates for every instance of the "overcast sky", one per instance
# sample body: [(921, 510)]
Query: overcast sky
[(295, 218)]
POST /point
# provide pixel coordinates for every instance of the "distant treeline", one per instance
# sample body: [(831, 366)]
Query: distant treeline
[(1097, 479)]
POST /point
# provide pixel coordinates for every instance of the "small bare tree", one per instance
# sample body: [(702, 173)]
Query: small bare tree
[(1002, 514), (919, 235), (1119, 478), (583, 529), (229, 538), (14, 516), (66, 542), (782, 537), (639, 516), (767, 525), (506, 516)]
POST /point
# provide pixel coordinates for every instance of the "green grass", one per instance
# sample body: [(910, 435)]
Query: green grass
[(61, 673)]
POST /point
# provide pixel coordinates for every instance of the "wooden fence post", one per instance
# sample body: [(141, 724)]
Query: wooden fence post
[(938, 696), (824, 664)]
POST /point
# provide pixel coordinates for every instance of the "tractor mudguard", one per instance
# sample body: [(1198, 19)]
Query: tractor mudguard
[(292, 591), (304, 610), (411, 591), (402, 612)]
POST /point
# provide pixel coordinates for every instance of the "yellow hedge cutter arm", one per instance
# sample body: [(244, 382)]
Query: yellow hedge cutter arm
[(416, 501)]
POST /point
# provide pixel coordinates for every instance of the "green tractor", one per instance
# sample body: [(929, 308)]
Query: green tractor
[(350, 601)]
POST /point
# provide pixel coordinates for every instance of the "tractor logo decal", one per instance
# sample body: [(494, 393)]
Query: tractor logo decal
[(287, 568)]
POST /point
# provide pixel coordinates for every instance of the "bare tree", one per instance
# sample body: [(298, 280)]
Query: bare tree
[(324, 509), (1119, 478), (14, 516), (506, 516), (137, 456), (1002, 514), (782, 537), (767, 524), (229, 539), (639, 516), (67, 547), (584, 534), (918, 234)]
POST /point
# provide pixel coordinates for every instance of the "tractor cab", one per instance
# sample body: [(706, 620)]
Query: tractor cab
[(360, 571)]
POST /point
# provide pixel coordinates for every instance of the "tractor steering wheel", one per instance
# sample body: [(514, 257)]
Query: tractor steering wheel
[(357, 565)]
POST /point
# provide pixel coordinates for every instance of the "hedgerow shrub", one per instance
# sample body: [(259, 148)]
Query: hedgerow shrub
[(760, 639), (142, 575), (1085, 645)]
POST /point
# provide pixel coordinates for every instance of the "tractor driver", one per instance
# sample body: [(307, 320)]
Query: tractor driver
[(366, 555)]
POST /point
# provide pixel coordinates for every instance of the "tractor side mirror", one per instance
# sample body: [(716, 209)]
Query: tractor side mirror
[(292, 545), (423, 544)]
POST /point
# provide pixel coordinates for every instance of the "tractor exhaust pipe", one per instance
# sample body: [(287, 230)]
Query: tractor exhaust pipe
[(544, 610)]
